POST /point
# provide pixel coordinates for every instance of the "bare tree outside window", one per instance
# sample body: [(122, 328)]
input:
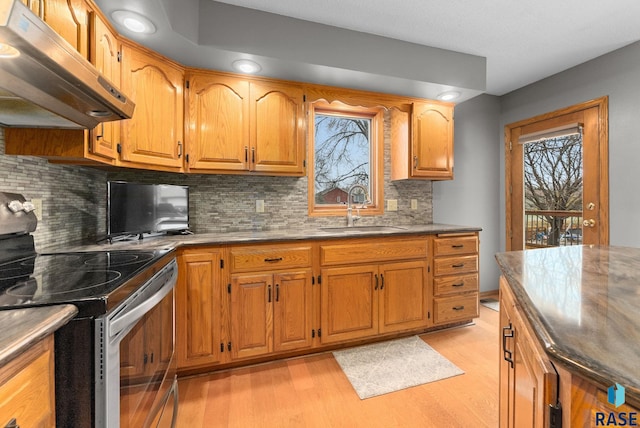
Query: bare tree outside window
[(553, 190), (342, 154)]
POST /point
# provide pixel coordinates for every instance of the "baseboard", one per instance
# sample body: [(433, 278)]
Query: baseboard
[(491, 294)]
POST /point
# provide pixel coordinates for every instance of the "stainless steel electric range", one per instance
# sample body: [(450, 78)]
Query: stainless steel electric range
[(115, 363)]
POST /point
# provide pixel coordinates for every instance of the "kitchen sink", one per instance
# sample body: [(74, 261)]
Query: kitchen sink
[(362, 229)]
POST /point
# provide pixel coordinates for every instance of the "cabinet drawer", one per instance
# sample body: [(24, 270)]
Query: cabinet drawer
[(455, 245), (373, 251), (455, 265), (455, 284), (455, 308), (272, 257)]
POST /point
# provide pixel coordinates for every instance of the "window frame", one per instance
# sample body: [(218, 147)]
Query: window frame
[(376, 179)]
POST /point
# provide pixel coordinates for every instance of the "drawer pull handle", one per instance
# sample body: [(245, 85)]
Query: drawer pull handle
[(458, 284), (458, 308), (457, 246), (507, 354), (273, 259), (458, 265)]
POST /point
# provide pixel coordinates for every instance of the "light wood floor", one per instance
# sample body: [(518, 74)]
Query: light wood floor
[(312, 391)]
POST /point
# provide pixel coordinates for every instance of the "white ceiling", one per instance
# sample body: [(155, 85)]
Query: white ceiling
[(523, 41)]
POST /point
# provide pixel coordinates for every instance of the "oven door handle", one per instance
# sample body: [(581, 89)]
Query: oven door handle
[(130, 316)]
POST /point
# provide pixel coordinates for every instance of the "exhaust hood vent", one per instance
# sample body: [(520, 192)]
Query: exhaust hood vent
[(45, 82)]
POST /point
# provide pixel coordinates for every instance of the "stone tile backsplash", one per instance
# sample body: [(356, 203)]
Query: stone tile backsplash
[(74, 199)]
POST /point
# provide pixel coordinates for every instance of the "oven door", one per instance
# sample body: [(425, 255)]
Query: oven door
[(135, 372)]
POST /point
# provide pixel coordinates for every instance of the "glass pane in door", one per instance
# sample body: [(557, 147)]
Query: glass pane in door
[(553, 191)]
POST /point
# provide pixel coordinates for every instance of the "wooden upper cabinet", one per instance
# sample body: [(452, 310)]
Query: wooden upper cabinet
[(277, 128), (237, 125), (154, 135), (68, 18), (104, 53), (217, 122), (422, 142)]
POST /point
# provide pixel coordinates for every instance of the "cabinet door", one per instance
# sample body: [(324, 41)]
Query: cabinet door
[(154, 135), (218, 123), (68, 18), (105, 55), (404, 297), (432, 141), (276, 128), (251, 315), (292, 310), (132, 352), (198, 331), (349, 303), (528, 379)]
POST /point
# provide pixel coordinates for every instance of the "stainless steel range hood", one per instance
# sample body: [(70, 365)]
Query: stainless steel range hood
[(45, 82)]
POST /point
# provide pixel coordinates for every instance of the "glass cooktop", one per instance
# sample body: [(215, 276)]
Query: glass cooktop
[(90, 280)]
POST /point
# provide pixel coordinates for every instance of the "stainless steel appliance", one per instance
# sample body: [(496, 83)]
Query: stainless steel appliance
[(45, 82), (115, 364)]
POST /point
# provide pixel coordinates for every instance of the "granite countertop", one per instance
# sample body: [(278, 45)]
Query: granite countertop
[(583, 301), (22, 328), (257, 236)]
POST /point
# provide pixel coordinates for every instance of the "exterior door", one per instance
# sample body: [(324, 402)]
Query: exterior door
[(557, 178)]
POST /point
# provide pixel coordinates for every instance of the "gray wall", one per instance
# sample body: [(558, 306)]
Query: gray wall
[(472, 198)]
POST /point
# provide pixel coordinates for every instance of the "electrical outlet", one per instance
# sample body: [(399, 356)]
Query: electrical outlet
[(37, 203), (392, 205), (414, 204), (259, 205)]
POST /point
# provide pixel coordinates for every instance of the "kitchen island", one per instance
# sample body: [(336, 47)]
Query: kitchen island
[(578, 306)]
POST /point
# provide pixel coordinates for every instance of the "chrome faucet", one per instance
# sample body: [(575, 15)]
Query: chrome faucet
[(351, 219)]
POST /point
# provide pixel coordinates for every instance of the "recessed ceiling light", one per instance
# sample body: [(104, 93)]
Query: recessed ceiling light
[(246, 66), (134, 22), (449, 95)]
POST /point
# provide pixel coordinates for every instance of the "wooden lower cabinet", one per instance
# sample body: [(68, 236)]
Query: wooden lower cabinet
[(198, 308), (270, 312), (528, 379), (366, 300), (27, 389)]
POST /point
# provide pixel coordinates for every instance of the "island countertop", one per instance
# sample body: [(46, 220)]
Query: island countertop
[(583, 304)]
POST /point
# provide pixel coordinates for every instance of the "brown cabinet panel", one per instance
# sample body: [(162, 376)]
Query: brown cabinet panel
[(528, 379), (27, 390), (455, 245), (154, 135), (455, 265), (68, 18), (372, 251), (455, 284), (455, 308), (198, 308), (404, 298), (271, 257), (217, 122), (251, 315), (432, 146), (240, 125), (292, 310), (105, 55), (349, 303), (277, 128)]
